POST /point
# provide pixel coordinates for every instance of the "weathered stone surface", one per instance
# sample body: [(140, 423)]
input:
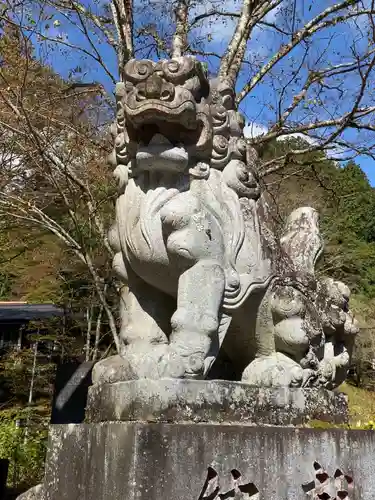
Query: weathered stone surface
[(205, 275), (129, 461), (35, 493), (174, 400)]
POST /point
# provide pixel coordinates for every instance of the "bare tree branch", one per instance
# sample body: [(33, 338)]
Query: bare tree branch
[(252, 12), (307, 31)]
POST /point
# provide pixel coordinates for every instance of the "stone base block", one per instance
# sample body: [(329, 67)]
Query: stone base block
[(219, 401), (140, 461)]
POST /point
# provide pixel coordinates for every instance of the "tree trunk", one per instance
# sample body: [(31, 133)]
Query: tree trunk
[(89, 313), (31, 391), (179, 43)]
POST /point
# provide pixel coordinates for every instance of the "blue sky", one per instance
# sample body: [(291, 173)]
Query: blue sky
[(331, 47)]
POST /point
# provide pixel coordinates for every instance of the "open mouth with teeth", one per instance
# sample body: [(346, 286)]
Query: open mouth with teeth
[(174, 133), (159, 132), (162, 154)]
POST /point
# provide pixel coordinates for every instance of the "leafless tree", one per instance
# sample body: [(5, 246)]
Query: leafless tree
[(300, 67)]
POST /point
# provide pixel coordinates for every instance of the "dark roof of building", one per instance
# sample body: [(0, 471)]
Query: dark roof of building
[(22, 311)]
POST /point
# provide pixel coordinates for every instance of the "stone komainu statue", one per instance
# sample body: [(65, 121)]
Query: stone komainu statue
[(210, 291)]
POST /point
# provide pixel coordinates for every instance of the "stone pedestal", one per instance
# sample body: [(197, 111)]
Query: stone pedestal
[(143, 461), (196, 440), (215, 401)]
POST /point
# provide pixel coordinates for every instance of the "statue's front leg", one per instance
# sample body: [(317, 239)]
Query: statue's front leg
[(145, 326), (194, 328), (145, 313), (195, 322), (194, 242)]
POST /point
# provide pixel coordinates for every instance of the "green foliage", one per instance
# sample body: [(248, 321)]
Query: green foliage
[(6, 282), (361, 404), (356, 202), (361, 410), (322, 425), (366, 426), (205, 67), (25, 448), (359, 426), (16, 370)]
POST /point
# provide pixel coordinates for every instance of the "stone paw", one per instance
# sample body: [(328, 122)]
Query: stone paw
[(111, 370), (140, 361), (275, 370)]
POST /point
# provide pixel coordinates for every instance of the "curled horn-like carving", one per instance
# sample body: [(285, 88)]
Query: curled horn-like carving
[(220, 145), (137, 71), (176, 69), (204, 143), (227, 96), (220, 151), (122, 153), (120, 115), (238, 148), (220, 119)]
